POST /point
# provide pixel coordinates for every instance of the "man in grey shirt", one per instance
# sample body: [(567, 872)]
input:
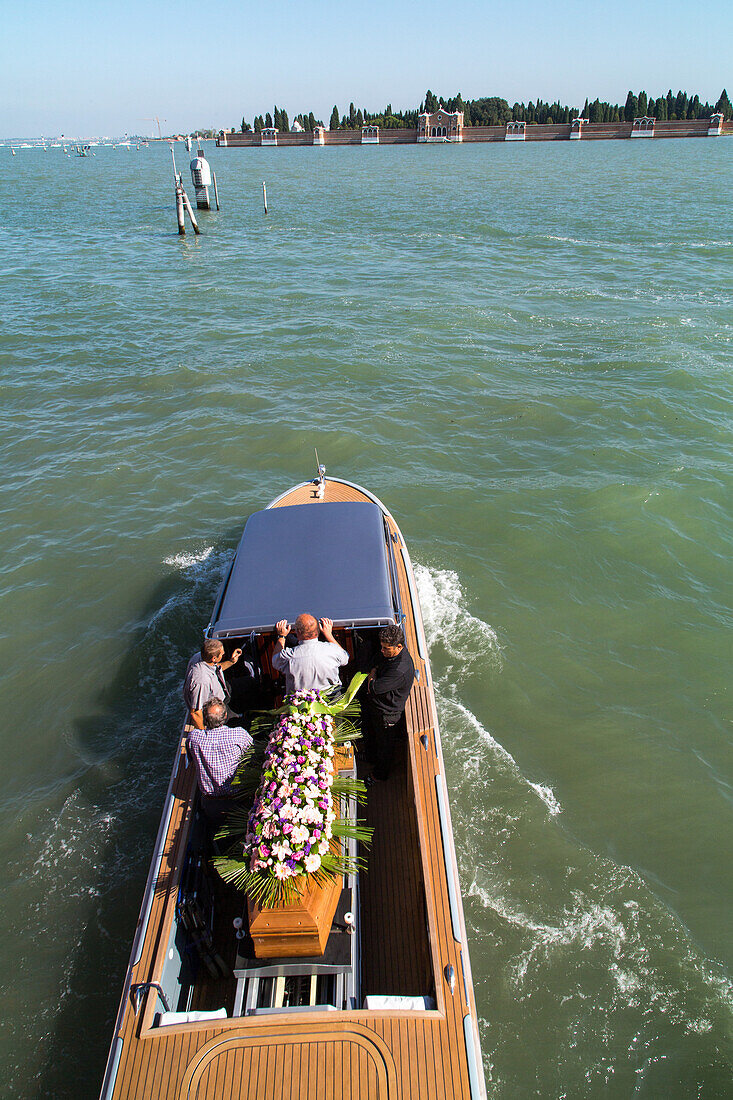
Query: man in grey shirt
[(205, 678), (312, 664)]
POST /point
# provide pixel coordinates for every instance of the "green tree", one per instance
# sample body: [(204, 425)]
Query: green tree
[(431, 102), (268, 120), (284, 120), (642, 104), (259, 123), (630, 107), (245, 126), (359, 119), (723, 106), (334, 123), (311, 121)]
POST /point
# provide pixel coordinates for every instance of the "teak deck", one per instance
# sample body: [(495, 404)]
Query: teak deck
[(411, 879)]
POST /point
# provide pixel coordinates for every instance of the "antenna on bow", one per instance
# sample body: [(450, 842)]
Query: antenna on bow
[(320, 480)]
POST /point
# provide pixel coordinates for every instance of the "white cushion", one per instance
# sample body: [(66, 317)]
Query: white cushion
[(393, 1003), (190, 1017)]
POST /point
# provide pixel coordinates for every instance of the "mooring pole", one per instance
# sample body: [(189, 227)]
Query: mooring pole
[(264, 195), (179, 210), (179, 198), (191, 214), (216, 192)]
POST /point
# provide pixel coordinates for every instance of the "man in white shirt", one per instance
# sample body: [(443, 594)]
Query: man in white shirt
[(311, 665)]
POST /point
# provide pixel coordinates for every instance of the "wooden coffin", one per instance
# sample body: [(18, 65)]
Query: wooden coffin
[(302, 926)]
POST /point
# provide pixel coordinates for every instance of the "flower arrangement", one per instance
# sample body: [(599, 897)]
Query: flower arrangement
[(291, 829)]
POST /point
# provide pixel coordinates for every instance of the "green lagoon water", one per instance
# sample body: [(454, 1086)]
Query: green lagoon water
[(525, 352)]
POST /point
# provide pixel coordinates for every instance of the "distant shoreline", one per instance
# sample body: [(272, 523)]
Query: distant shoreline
[(588, 131)]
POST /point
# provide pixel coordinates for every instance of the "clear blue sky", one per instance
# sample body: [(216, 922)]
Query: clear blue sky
[(86, 68)]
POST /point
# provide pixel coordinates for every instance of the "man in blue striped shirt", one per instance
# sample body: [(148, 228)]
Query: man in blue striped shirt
[(216, 751)]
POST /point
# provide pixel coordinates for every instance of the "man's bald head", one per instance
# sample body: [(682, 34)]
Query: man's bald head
[(306, 627)]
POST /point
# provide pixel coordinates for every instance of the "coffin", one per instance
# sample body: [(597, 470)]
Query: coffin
[(302, 926)]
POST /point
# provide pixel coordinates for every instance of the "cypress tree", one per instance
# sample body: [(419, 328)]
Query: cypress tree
[(311, 121), (284, 120), (268, 120), (723, 106), (630, 108), (334, 123), (642, 104)]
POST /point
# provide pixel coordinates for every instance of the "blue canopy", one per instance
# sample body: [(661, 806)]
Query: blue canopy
[(327, 559)]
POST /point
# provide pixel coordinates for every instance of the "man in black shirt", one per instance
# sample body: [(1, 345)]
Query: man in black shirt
[(388, 687)]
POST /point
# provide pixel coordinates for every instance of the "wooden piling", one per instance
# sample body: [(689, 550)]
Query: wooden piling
[(264, 195), (179, 210), (216, 192), (191, 214)]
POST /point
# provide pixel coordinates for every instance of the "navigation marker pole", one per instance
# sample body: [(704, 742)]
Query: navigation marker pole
[(182, 202), (264, 196)]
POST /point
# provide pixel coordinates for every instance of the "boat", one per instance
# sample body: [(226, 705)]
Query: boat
[(385, 1008)]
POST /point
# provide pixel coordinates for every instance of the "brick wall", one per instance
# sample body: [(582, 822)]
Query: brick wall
[(591, 131)]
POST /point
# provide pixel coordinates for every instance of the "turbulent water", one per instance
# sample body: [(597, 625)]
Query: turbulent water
[(524, 351)]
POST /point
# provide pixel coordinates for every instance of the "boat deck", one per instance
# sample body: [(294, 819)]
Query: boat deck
[(413, 943)]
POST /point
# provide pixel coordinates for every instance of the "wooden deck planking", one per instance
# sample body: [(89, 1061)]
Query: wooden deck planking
[(429, 1052)]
